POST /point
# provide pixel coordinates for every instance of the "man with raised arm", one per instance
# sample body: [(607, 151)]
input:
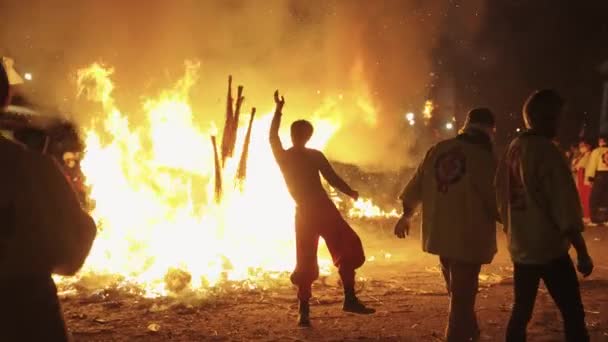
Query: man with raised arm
[(316, 215)]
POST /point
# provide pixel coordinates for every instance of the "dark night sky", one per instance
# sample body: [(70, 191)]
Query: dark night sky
[(527, 45)]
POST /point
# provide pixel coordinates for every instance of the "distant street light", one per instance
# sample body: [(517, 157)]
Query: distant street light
[(27, 76), (409, 116), (449, 126), (412, 122)]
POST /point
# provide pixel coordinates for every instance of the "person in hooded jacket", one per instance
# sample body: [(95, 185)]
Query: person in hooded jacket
[(542, 217), (43, 231), (454, 185)]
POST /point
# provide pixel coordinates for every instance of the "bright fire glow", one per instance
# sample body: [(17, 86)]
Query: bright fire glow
[(428, 109), (152, 184), (365, 208)]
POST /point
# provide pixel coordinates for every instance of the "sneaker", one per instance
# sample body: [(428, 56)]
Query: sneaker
[(355, 306)]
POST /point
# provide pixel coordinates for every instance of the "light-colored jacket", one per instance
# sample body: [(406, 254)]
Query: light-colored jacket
[(537, 200), (598, 162), (43, 228), (454, 184)]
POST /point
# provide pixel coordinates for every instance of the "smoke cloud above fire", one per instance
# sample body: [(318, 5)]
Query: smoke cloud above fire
[(364, 63)]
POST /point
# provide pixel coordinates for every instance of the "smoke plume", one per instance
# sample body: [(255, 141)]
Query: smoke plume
[(364, 63)]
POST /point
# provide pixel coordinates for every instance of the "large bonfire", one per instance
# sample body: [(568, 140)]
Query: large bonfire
[(180, 210)]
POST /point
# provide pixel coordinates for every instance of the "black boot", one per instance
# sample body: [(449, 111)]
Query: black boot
[(304, 314), (354, 305)]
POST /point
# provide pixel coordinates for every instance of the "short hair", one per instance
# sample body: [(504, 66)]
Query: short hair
[(301, 131), (481, 116), (542, 109)]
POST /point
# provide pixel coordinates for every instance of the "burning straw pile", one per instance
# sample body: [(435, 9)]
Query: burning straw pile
[(231, 125)]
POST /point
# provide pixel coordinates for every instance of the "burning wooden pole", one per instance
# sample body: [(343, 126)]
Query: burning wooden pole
[(242, 171), (235, 121), (218, 171), (226, 135)]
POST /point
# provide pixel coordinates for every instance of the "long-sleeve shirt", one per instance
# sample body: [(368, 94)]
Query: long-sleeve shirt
[(43, 227), (598, 162), (301, 168), (454, 185), (538, 200)]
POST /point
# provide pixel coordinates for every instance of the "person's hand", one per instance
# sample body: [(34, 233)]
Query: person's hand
[(354, 195), (585, 265), (279, 101), (402, 228)]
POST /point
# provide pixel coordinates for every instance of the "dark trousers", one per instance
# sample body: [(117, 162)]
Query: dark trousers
[(598, 200), (462, 281), (30, 310), (343, 243), (561, 281)]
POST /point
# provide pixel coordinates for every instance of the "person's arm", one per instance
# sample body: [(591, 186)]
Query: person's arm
[(332, 177), (275, 140), (483, 186), (564, 204), (591, 167), (501, 185), (73, 230), (411, 196)]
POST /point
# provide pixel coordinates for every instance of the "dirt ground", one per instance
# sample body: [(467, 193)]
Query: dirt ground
[(401, 282)]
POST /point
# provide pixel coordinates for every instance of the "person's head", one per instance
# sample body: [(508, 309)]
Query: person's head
[(481, 119), (542, 112), (584, 146), (602, 141), (4, 88), (301, 131)]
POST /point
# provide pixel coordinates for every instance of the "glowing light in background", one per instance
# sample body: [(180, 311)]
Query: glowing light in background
[(449, 126), (27, 76)]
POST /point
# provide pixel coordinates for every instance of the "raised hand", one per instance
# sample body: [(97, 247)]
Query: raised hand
[(279, 101)]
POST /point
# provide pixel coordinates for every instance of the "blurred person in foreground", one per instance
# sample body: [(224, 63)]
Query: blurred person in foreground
[(43, 231), (579, 167), (316, 215), (596, 175), (542, 217), (454, 184)]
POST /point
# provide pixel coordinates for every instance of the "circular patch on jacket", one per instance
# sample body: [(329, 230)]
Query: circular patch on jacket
[(605, 158), (450, 166)]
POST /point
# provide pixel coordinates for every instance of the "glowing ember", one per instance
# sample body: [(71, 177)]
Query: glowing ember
[(153, 187), (427, 113), (365, 208)]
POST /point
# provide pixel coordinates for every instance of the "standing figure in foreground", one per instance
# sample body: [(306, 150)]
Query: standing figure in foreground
[(579, 166), (542, 217), (316, 215), (454, 186), (43, 230), (596, 174)]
